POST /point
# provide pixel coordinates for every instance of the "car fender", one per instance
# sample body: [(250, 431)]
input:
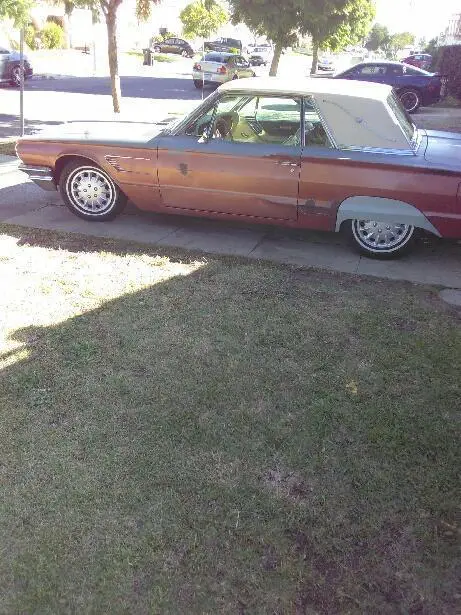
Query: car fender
[(382, 210)]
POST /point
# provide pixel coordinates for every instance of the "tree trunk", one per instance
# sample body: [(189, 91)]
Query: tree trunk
[(315, 56), (68, 9), (111, 21), (275, 60)]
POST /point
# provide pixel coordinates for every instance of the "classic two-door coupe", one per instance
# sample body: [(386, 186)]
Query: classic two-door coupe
[(316, 153)]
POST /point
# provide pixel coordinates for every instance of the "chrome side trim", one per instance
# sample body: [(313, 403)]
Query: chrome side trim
[(377, 150)]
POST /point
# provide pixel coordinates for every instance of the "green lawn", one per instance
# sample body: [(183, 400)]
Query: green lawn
[(7, 147), (158, 57), (193, 435)]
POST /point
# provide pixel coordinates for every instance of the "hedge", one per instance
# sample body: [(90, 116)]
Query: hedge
[(449, 64)]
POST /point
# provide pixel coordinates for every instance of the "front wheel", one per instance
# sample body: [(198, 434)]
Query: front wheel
[(410, 99), (184, 53), (90, 193), (380, 239), (157, 49), (198, 84)]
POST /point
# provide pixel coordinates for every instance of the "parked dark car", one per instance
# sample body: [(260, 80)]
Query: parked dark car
[(223, 44), (420, 60), (415, 87), (175, 45), (10, 70)]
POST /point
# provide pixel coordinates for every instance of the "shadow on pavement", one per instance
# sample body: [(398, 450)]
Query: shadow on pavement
[(162, 88)]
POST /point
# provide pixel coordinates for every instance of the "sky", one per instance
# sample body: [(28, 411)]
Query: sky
[(424, 18)]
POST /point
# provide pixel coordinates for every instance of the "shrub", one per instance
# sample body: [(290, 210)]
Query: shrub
[(30, 37), (52, 36), (450, 65), (234, 50)]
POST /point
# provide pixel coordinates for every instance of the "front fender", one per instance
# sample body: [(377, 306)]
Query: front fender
[(382, 210)]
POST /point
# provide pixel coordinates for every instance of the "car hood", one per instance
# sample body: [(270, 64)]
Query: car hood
[(113, 133), (443, 148)]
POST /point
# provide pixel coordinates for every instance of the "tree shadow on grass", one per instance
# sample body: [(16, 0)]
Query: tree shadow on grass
[(191, 447)]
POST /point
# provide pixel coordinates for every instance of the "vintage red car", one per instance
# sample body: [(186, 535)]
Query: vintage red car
[(316, 153)]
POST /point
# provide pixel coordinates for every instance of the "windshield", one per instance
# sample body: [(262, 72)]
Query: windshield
[(402, 117)]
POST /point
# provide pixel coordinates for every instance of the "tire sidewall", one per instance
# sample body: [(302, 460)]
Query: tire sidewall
[(118, 201), (395, 252)]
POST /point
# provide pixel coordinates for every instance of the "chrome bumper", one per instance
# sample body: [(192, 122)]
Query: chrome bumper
[(42, 176)]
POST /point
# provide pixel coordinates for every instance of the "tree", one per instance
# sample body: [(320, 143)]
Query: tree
[(201, 19), (378, 38), (399, 41), (17, 10), (340, 27), (266, 18), (109, 9)]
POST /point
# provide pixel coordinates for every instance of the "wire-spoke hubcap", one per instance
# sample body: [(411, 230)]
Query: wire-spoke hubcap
[(409, 100), (381, 236), (90, 191), (16, 75)]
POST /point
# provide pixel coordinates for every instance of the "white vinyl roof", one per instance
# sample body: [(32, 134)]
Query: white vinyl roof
[(357, 113), (314, 85)]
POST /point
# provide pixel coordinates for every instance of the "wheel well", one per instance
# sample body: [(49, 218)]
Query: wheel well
[(410, 87), (64, 160)]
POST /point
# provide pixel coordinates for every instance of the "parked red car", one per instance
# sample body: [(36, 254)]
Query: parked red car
[(421, 60)]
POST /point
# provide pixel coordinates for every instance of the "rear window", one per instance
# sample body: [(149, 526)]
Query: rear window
[(216, 57), (414, 70)]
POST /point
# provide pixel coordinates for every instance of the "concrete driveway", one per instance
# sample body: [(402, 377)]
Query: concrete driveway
[(432, 262)]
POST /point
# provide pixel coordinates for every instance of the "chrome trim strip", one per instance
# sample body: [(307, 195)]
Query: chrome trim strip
[(376, 150), (42, 178), (26, 169)]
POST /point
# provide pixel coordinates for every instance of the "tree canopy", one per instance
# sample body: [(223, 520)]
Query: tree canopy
[(354, 26), (17, 10), (202, 18)]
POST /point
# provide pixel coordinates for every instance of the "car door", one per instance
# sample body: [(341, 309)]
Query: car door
[(246, 163), (168, 45), (4, 53)]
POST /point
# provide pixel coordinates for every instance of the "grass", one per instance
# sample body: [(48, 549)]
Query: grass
[(7, 147), (182, 434), (158, 57)]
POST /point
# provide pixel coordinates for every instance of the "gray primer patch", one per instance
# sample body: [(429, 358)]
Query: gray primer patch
[(451, 296)]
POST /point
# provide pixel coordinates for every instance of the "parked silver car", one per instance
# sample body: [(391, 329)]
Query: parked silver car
[(218, 67)]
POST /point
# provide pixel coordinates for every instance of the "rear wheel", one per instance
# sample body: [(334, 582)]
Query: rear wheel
[(157, 49), (410, 99), (380, 239), (198, 84), (89, 192), (16, 75), (184, 53)]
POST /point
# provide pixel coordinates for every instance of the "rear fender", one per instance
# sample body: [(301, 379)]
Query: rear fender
[(382, 210)]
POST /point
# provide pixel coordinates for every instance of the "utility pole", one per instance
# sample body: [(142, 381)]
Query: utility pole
[(21, 86)]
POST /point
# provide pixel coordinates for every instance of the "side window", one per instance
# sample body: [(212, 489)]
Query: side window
[(395, 71), (168, 41), (259, 120), (202, 124), (373, 70), (314, 132)]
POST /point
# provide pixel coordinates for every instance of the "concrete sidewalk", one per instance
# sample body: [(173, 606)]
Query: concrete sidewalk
[(433, 262)]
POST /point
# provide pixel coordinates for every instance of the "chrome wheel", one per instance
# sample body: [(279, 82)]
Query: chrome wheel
[(91, 191), (410, 100), (381, 237)]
